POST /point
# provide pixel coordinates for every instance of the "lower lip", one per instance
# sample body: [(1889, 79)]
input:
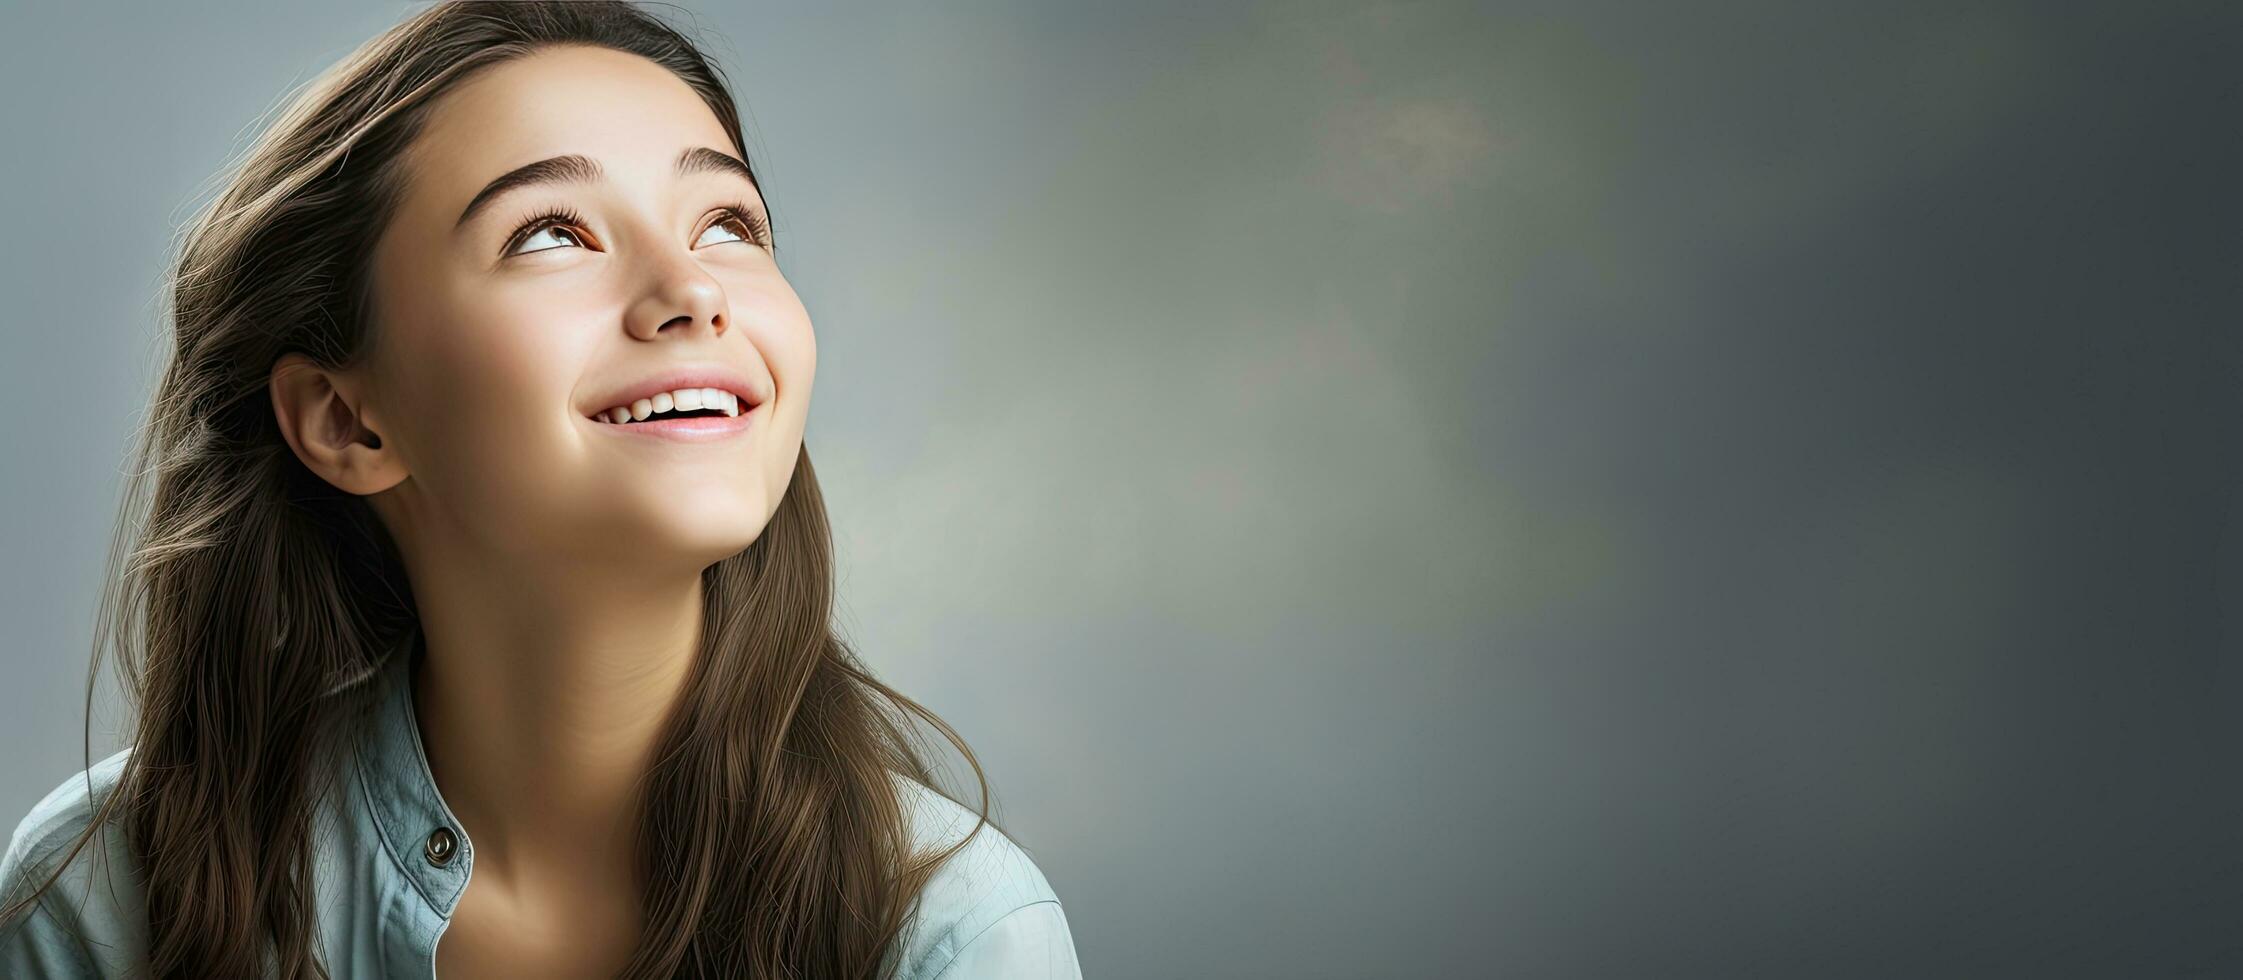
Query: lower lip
[(711, 428)]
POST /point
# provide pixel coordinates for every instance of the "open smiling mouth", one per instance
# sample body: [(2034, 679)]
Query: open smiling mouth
[(697, 413), (690, 425), (692, 403)]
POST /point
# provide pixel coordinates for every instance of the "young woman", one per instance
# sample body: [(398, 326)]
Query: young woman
[(480, 621)]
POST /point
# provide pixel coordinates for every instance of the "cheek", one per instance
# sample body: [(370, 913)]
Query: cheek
[(510, 347), (793, 360), (485, 391), (784, 337), (781, 333)]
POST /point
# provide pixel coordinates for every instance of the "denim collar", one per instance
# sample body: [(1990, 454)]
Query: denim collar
[(397, 788)]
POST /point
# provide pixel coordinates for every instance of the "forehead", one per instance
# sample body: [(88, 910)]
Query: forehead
[(625, 111)]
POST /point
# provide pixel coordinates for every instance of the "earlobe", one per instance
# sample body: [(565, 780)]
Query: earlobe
[(319, 418)]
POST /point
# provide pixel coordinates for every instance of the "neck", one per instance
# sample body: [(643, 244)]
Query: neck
[(538, 709)]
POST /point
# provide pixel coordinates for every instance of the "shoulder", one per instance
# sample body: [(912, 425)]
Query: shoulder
[(988, 910), (93, 905), (57, 819)]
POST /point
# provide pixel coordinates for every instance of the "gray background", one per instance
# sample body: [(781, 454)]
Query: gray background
[(1420, 490)]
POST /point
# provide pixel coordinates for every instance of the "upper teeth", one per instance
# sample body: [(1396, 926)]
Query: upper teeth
[(682, 400)]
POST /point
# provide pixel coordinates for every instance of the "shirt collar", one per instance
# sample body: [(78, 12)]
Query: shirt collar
[(399, 791)]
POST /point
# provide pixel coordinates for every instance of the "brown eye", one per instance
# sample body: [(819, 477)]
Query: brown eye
[(728, 223), (556, 229), (539, 223), (753, 227)]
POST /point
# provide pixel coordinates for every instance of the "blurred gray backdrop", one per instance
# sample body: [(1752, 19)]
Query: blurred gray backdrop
[(1419, 489)]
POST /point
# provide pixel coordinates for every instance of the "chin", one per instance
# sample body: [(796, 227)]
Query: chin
[(710, 539), (649, 523)]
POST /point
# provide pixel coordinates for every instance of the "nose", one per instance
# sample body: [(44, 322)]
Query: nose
[(684, 299)]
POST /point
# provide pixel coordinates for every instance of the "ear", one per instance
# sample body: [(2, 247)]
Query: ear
[(319, 415)]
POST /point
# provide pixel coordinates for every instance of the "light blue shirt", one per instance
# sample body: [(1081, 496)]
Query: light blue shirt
[(385, 894)]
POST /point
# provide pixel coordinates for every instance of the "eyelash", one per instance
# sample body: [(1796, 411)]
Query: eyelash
[(759, 229)]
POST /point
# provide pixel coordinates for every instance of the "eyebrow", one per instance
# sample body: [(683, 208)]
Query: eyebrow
[(576, 168)]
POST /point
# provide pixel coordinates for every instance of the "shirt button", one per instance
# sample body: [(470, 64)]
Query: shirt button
[(441, 844)]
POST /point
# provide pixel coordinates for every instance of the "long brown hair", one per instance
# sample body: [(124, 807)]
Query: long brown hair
[(773, 841)]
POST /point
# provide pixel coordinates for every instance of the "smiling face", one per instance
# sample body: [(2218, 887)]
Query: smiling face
[(499, 337)]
